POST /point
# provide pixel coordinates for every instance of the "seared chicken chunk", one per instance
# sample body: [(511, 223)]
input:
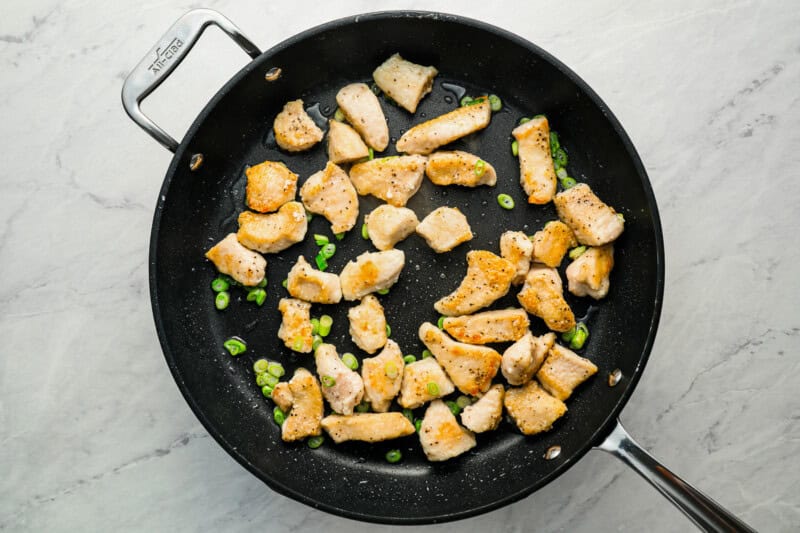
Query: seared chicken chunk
[(459, 168), (426, 137), (311, 285), (368, 324), (362, 109), (593, 222), (444, 229), (522, 359), (536, 172), (563, 371), (532, 409), (344, 143), (488, 279), (387, 225), (486, 413), (404, 82), (282, 396), (423, 381), (383, 375), (233, 259), (551, 243), (441, 436), (330, 193), (392, 179), (517, 248), (295, 131), (269, 186), (543, 296), (367, 427), (589, 273), (341, 386), (370, 272), (273, 233), (470, 367), (295, 330), (306, 407), (502, 325)]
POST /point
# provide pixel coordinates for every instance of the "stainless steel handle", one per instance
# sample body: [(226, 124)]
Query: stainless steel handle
[(167, 54), (707, 514)]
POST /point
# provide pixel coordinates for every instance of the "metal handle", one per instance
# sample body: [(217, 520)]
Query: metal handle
[(167, 54), (707, 514)]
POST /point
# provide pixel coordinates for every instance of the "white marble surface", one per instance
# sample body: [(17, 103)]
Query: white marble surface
[(94, 435)]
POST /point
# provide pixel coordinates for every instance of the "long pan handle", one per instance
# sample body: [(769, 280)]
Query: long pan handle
[(707, 514)]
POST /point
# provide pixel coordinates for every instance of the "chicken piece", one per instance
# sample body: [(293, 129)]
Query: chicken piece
[(231, 258), (282, 396), (388, 225), (502, 325), (563, 371), (367, 427), (344, 143), (532, 409), (589, 273), (470, 367), (426, 137), (417, 379), (295, 131), (269, 185), (295, 330), (488, 279), (459, 168), (536, 172), (551, 243), (306, 407), (311, 285), (368, 324), (330, 193), (543, 296), (485, 414), (363, 111), (517, 248), (393, 179), (341, 386), (370, 272), (404, 82), (593, 222), (273, 233), (383, 376), (444, 229), (522, 359), (441, 436)]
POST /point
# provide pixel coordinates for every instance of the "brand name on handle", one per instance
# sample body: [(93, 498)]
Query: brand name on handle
[(164, 55)]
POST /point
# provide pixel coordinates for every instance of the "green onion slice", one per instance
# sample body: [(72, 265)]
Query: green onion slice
[(315, 442), (221, 300), (235, 345), (432, 388), (408, 359), (276, 369), (278, 416), (321, 240), (364, 231), (505, 201), (220, 284), (576, 252), (515, 148), (495, 103), (350, 361), (328, 381), (260, 366), (393, 456), (480, 167), (325, 323)]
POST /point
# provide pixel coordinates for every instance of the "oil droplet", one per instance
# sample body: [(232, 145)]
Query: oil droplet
[(316, 115), (196, 162), (448, 99), (273, 74), (457, 90), (552, 452), (269, 140), (423, 115), (614, 377)]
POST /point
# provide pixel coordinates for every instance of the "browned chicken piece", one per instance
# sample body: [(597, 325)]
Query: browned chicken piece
[(444, 229), (363, 111), (522, 359), (311, 285), (404, 82), (370, 272), (441, 436), (367, 427), (532, 409), (387, 225), (552, 243), (459, 168), (563, 371), (470, 367), (543, 296), (383, 375), (593, 222), (330, 193), (344, 143), (426, 137), (368, 324), (269, 185), (306, 407), (393, 179), (501, 325), (295, 330), (295, 131), (536, 172), (231, 258), (282, 396), (488, 279), (517, 248), (485, 414), (589, 274), (273, 233), (423, 381), (341, 386)]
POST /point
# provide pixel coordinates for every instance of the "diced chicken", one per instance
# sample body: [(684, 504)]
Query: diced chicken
[(441, 436), (231, 258), (269, 185), (522, 359), (470, 367), (532, 409), (311, 285), (589, 274), (551, 243), (501, 325), (306, 407), (593, 222), (273, 233), (543, 296), (330, 193), (459, 168), (387, 225), (295, 330), (295, 131), (393, 179), (370, 272), (282, 396), (423, 381), (536, 172), (426, 137), (368, 324), (344, 143), (362, 109), (367, 427), (488, 279), (485, 414), (383, 376), (341, 386), (444, 229), (517, 248), (563, 371), (404, 82)]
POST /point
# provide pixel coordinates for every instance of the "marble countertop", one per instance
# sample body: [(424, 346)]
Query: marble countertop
[(94, 432)]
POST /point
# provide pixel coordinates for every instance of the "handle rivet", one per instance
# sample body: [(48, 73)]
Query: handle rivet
[(552, 452), (614, 377), (273, 74), (196, 162)]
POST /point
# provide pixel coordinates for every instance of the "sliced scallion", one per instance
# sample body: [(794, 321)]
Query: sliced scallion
[(325, 323), (576, 252), (260, 366), (276, 369), (432, 388), (328, 250), (495, 103), (315, 442), (408, 359), (321, 240), (328, 381), (364, 231), (515, 148), (221, 300), (480, 167), (278, 416), (393, 456), (220, 284), (350, 361), (235, 345), (505, 201)]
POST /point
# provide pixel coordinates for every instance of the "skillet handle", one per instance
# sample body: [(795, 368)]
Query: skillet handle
[(167, 54), (707, 514)]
